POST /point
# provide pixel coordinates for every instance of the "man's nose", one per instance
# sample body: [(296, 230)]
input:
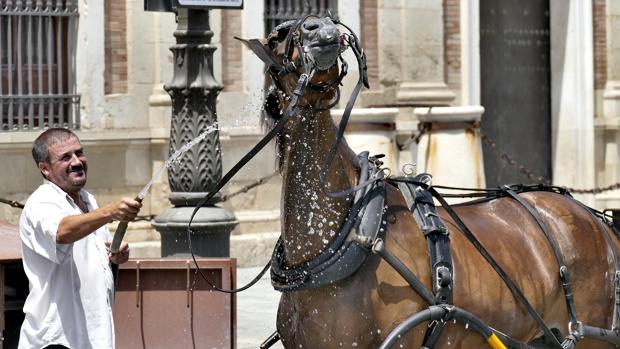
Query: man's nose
[(75, 160)]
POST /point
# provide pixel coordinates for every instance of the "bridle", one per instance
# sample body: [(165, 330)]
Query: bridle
[(276, 71), (304, 60)]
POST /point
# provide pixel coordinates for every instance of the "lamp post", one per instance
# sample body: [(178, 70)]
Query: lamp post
[(193, 90)]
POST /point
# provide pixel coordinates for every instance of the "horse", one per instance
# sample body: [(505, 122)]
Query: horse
[(363, 308)]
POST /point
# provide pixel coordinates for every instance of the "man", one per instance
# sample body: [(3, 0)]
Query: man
[(65, 254)]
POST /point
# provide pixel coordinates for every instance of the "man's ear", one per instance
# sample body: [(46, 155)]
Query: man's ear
[(44, 168)]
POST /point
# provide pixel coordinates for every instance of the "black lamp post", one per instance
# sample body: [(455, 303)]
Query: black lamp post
[(193, 90)]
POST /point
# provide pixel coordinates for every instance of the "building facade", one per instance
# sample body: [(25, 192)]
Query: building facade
[(546, 72)]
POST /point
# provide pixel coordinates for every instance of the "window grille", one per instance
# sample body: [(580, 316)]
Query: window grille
[(279, 11), (37, 64)]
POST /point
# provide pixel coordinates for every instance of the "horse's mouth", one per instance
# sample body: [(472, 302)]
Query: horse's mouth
[(325, 46), (324, 56)]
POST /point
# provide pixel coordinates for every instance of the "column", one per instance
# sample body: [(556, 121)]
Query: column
[(413, 54), (450, 148), (610, 124)]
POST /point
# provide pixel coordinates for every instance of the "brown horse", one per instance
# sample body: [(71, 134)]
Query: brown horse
[(361, 309)]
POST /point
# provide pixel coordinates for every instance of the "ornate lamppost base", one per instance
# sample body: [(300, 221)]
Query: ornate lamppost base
[(210, 231)]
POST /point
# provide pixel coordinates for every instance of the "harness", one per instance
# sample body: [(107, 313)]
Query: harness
[(348, 250), (303, 82), (419, 194), (360, 234)]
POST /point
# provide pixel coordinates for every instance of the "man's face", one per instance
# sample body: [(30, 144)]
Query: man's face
[(67, 165)]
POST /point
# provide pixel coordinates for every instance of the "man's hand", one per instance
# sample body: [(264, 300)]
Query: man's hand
[(121, 256), (125, 210), (74, 227)]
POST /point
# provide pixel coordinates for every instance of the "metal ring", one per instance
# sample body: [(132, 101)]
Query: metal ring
[(409, 169), (386, 171)]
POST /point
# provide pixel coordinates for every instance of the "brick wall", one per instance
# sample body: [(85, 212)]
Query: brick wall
[(452, 43), (369, 39), (600, 48), (115, 27), (232, 63)]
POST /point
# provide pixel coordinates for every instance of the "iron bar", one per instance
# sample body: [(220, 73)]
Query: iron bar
[(71, 52), (289, 8), (59, 50), (9, 55), (20, 106), (50, 62), (29, 65), (39, 10), (2, 53), (277, 12)]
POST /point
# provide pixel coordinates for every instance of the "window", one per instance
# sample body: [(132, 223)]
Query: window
[(279, 11), (37, 64)]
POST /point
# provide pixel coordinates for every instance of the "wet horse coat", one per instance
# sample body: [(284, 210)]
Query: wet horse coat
[(360, 310)]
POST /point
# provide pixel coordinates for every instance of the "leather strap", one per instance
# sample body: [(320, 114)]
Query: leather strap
[(498, 269), (564, 272)]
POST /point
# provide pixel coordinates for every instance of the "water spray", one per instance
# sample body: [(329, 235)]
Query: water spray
[(122, 226)]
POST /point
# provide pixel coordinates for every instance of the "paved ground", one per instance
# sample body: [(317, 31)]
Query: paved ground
[(256, 310)]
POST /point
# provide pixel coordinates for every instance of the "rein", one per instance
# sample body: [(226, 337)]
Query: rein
[(303, 83)]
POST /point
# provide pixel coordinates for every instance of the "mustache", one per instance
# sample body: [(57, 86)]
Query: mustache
[(78, 168)]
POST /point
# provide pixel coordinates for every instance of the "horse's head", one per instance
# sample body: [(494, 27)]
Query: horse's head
[(310, 46), (320, 42)]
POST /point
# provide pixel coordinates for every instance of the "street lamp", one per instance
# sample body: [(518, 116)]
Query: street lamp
[(194, 90)]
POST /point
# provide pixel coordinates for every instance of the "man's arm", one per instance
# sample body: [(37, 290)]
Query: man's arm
[(73, 228)]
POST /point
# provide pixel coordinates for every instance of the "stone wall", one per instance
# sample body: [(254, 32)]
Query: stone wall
[(115, 30)]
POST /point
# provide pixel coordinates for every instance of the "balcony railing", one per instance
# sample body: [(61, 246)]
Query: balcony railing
[(279, 11), (37, 64)]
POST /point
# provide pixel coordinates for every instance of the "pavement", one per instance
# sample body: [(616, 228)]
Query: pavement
[(256, 309)]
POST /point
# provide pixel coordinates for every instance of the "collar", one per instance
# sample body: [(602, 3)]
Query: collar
[(83, 194)]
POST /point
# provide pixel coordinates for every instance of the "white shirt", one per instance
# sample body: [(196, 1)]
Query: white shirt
[(71, 285)]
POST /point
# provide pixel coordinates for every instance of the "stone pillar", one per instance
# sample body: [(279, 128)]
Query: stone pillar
[(572, 94), (413, 50), (373, 130), (610, 125), (193, 91), (450, 149)]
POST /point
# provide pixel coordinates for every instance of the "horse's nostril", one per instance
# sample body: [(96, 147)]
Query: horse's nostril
[(311, 26)]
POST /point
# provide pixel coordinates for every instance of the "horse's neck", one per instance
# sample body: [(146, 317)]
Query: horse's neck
[(312, 219)]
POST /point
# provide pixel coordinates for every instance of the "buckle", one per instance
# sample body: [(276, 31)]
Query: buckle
[(575, 329)]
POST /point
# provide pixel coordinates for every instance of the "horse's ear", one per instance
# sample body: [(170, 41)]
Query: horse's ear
[(246, 42), (260, 49)]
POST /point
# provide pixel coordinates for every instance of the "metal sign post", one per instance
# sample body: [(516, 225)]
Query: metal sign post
[(174, 5), (211, 3)]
